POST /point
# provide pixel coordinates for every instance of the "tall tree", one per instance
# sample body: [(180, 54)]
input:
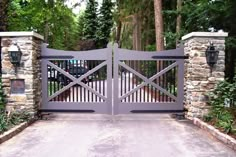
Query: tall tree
[(3, 27), (230, 26), (132, 18), (80, 25), (178, 21), (91, 21), (52, 18), (3, 14), (159, 25), (105, 23)]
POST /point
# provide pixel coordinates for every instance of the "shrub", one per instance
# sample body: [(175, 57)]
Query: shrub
[(223, 105), (2, 97), (3, 122), (7, 121)]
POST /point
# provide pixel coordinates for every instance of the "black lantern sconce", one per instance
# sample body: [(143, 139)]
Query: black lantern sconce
[(211, 55), (14, 54)]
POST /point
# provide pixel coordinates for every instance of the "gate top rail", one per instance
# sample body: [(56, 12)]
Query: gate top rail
[(173, 54), (49, 53)]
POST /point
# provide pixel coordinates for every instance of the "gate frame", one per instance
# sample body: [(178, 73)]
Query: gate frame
[(113, 104), (127, 107), (48, 54)]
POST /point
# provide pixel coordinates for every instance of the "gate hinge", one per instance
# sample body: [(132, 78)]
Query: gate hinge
[(55, 57), (170, 57)]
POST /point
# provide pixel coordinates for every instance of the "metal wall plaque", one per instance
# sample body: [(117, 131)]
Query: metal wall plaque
[(17, 86)]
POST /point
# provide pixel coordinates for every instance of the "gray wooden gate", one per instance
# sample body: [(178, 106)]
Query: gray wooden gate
[(76, 80), (142, 81), (148, 81)]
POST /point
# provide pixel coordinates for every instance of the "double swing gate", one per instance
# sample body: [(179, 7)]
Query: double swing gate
[(112, 80)]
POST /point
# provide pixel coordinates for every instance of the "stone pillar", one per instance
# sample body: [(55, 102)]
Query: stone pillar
[(199, 80), (26, 75)]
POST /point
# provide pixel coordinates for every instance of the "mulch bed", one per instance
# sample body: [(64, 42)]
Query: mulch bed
[(212, 123)]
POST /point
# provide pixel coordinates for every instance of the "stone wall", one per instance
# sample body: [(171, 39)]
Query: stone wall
[(199, 80), (28, 70)]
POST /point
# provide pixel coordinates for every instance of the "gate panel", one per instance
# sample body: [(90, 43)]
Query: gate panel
[(148, 81), (77, 80), (142, 81)]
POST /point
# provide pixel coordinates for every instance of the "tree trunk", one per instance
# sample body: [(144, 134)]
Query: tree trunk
[(46, 32), (159, 25), (159, 39), (3, 15), (119, 25), (139, 33), (3, 24), (147, 29), (136, 33), (134, 24), (178, 21), (118, 33)]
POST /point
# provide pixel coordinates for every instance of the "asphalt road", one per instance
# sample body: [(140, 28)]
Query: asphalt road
[(95, 135)]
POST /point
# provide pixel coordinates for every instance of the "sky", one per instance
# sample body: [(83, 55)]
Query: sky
[(82, 6), (76, 10)]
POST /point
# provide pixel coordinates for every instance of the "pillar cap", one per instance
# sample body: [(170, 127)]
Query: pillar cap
[(21, 34), (205, 35)]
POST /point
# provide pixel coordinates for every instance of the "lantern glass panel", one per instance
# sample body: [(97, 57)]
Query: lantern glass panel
[(211, 55), (15, 57)]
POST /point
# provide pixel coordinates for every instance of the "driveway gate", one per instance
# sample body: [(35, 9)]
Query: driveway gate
[(142, 81), (148, 81), (77, 81)]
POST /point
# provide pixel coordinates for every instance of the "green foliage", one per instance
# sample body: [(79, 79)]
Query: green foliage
[(105, 24), (80, 25), (126, 38), (96, 26), (224, 95), (51, 18), (225, 120), (8, 121), (3, 122), (91, 21), (124, 13), (225, 92), (16, 118), (2, 97), (150, 48)]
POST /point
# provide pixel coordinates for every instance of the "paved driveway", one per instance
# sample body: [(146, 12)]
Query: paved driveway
[(139, 135)]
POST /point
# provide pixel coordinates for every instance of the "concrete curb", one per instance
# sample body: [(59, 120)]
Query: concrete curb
[(14, 131), (226, 139)]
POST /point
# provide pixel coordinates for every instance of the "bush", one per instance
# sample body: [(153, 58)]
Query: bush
[(2, 97), (3, 122), (7, 121), (223, 106)]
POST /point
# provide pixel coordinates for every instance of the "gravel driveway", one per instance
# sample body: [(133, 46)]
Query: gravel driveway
[(94, 135)]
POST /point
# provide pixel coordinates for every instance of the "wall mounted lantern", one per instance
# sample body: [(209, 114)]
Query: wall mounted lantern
[(14, 54), (211, 55)]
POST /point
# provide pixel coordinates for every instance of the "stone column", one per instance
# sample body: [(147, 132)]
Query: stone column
[(26, 75), (199, 80)]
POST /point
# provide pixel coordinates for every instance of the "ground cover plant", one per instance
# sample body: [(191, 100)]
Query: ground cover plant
[(9, 120), (222, 113)]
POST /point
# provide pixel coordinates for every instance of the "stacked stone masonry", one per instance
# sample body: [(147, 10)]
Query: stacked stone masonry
[(29, 70), (199, 79)]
